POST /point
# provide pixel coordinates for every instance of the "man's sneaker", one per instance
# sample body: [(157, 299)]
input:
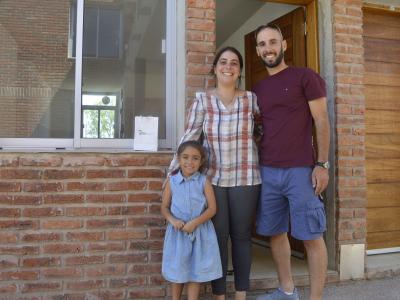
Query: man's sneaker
[(278, 294)]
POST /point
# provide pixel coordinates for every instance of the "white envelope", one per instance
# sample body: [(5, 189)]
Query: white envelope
[(146, 133)]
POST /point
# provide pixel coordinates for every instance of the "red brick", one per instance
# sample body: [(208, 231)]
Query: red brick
[(146, 173), (146, 245), (104, 223), (40, 161), (128, 258), (200, 24), (24, 250), (127, 282), (8, 288), (155, 185), (145, 269), (85, 236), (7, 238), (20, 174), (84, 260), (62, 224), (8, 161), (42, 187), (8, 262), (149, 197), (126, 235), (41, 237), (42, 212), (146, 221), (77, 161), (160, 160), (27, 200), (127, 210), (40, 287), (106, 198), (130, 160), (105, 173), (85, 285), (107, 247), (63, 199), (10, 187), (63, 248), (19, 225), (63, 174), (6, 200), (85, 211), (126, 186), (210, 4), (85, 186), (100, 271), (61, 273), (156, 233), (147, 293), (41, 262), (10, 212), (19, 275)]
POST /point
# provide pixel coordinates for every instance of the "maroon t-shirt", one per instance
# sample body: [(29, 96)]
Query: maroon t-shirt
[(286, 117)]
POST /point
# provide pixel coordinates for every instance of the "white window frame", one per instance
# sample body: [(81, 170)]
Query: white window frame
[(173, 88)]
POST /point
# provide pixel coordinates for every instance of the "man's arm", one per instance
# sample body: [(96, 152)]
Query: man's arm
[(319, 112)]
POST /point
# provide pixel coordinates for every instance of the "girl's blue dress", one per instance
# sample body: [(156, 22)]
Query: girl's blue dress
[(190, 257)]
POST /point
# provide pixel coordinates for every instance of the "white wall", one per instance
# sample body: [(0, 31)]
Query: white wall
[(267, 13)]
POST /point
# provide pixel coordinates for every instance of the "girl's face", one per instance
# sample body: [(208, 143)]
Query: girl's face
[(227, 69), (190, 161)]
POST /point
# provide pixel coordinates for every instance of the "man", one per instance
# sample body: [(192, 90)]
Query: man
[(292, 99)]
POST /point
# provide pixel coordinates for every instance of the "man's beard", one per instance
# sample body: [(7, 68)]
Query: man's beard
[(276, 62)]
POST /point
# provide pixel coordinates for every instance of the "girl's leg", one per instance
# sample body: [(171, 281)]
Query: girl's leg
[(176, 290), (242, 206), (193, 290), (221, 225)]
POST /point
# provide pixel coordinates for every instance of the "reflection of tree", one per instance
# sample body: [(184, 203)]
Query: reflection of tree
[(90, 119), (107, 124)]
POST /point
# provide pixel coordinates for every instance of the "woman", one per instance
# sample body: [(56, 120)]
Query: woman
[(224, 118)]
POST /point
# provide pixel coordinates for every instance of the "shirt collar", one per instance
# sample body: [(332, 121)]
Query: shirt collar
[(180, 179)]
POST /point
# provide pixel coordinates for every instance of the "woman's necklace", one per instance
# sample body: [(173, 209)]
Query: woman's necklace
[(227, 100)]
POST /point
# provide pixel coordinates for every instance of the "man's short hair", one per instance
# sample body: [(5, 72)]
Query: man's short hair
[(268, 25)]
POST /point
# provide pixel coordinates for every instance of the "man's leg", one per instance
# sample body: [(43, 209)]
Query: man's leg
[(280, 248), (317, 265)]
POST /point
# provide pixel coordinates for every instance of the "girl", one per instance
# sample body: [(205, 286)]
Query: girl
[(191, 252), (225, 117)]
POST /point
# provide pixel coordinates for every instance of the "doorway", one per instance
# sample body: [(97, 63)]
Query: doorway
[(248, 16)]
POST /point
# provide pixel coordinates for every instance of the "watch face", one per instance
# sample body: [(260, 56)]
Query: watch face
[(324, 165)]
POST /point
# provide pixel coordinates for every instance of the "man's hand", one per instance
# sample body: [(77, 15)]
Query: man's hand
[(320, 178)]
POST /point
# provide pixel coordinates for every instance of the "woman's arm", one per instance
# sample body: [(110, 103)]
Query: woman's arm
[(210, 211), (165, 207), (193, 128)]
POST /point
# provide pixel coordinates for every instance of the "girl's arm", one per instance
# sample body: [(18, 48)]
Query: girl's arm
[(165, 207), (210, 211)]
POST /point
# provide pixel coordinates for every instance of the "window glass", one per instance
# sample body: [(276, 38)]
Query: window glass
[(130, 64), (36, 78)]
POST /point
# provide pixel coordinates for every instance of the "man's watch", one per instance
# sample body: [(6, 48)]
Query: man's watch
[(323, 164)]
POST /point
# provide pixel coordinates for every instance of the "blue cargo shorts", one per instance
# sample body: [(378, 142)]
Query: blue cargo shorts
[(288, 193)]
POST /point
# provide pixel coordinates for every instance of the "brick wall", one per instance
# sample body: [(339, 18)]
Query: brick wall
[(75, 225), (350, 129), (200, 45)]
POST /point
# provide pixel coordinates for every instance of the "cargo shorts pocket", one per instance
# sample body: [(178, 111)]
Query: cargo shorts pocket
[(316, 218)]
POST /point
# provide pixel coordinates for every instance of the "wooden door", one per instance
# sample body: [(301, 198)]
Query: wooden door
[(292, 27), (382, 125)]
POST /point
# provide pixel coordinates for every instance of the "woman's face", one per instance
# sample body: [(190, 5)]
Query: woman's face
[(227, 69)]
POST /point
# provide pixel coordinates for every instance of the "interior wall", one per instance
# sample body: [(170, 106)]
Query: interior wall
[(265, 14)]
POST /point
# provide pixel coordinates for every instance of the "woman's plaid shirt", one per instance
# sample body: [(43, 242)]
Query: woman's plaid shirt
[(228, 137)]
